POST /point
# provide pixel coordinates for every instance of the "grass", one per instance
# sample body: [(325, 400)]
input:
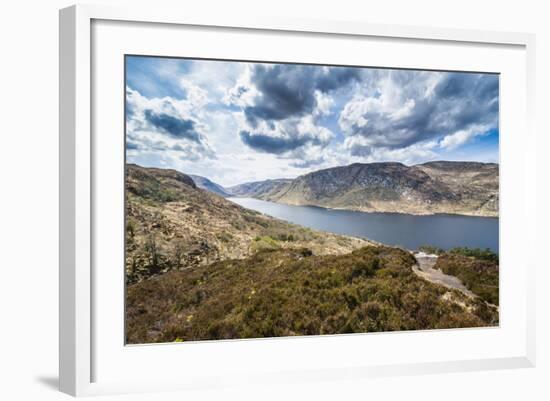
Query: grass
[(265, 243), (288, 292), (477, 268), (479, 273), (431, 249), (477, 253)]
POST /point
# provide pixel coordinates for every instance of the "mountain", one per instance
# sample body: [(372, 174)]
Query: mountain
[(205, 183), (172, 224), (467, 188), (267, 189), (199, 267)]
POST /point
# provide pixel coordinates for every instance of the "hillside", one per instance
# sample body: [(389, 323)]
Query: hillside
[(467, 188), (267, 189), (172, 224), (289, 292), (480, 275), (206, 184), (201, 267)]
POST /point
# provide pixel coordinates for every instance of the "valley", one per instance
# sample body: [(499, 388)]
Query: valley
[(200, 267)]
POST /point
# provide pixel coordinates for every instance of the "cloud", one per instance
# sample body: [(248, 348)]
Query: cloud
[(273, 144), (290, 90), (168, 125), (282, 104), (412, 154), (173, 126), (288, 138), (324, 103), (241, 94), (237, 122), (132, 145), (408, 107), (308, 163), (462, 137), (194, 94)]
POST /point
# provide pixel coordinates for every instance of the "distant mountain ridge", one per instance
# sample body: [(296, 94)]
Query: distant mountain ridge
[(467, 188), (205, 183), (261, 189)]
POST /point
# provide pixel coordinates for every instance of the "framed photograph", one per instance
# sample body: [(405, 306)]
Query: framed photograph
[(266, 200)]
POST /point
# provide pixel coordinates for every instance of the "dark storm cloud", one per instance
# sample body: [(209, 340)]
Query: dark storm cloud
[(460, 85), (132, 145), (287, 94), (336, 78), (276, 144), (289, 90), (460, 100), (176, 127), (457, 102), (157, 126)]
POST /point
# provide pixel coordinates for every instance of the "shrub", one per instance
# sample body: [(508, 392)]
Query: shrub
[(264, 243), (479, 275), (431, 249), (225, 237), (179, 252), (482, 254), (284, 292), (131, 228), (364, 268)]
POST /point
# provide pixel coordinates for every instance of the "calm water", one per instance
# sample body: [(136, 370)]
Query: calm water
[(441, 230)]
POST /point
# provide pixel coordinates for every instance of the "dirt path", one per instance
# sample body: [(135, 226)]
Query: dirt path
[(425, 269)]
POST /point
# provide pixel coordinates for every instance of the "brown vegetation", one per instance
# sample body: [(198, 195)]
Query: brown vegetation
[(478, 273), (289, 292), (173, 225), (200, 267)]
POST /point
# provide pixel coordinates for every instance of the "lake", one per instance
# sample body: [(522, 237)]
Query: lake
[(409, 231)]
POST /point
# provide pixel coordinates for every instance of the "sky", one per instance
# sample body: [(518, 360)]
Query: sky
[(236, 122)]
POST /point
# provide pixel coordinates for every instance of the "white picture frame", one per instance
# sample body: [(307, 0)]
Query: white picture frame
[(81, 344)]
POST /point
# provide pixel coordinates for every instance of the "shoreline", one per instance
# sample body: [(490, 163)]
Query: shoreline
[(373, 211), (410, 247)]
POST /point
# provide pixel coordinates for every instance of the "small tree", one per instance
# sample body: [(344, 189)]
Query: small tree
[(152, 250), (130, 230), (179, 252)]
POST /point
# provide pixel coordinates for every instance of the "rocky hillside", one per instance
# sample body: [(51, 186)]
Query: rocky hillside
[(205, 183), (467, 188), (268, 189), (172, 224)]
